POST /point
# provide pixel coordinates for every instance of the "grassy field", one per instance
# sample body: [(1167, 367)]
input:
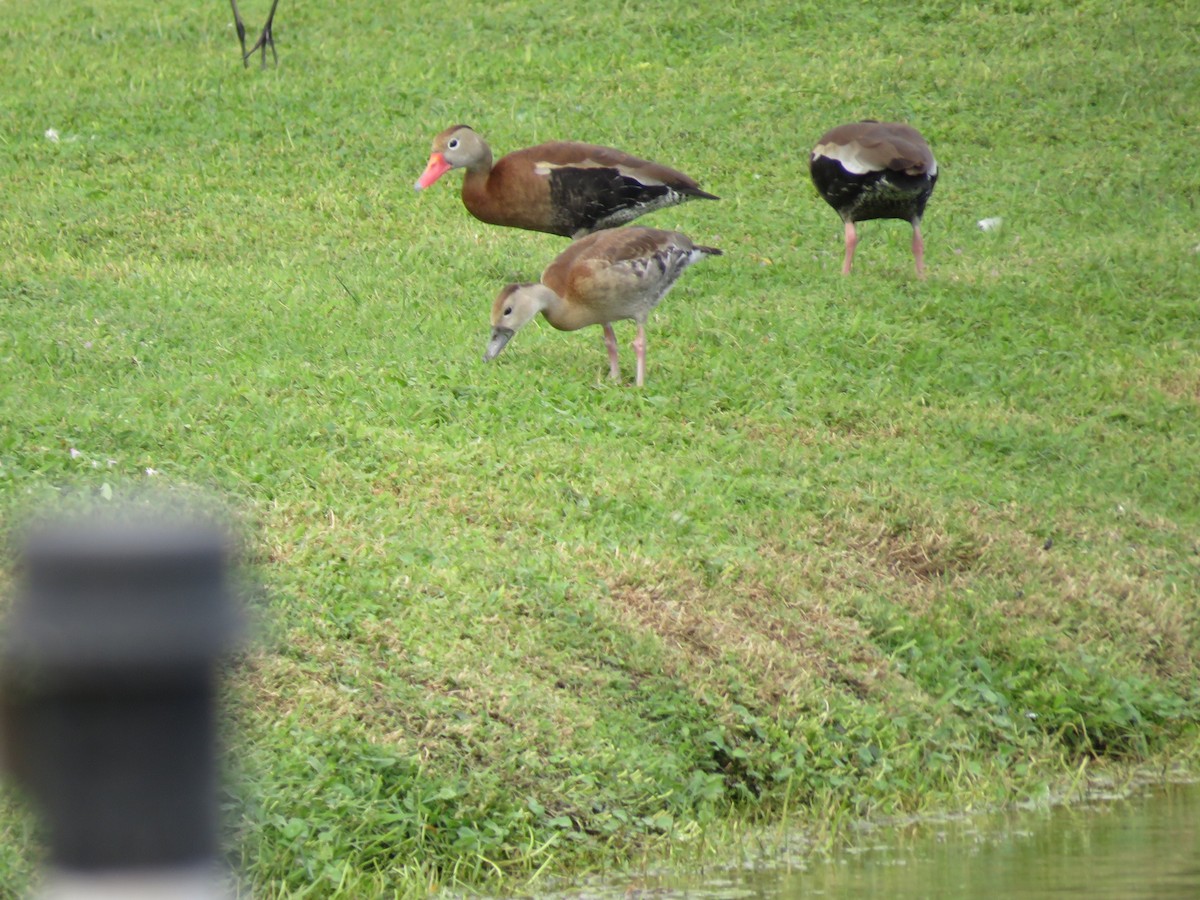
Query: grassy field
[(861, 546)]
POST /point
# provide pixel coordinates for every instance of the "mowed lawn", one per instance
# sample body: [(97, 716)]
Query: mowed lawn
[(861, 546)]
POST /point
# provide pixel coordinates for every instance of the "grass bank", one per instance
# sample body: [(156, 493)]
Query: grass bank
[(861, 546)]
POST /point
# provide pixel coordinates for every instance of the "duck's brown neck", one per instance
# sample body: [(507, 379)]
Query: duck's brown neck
[(564, 315), (475, 182), (475, 195)]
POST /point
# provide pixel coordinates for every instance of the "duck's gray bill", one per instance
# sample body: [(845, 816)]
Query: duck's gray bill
[(500, 337)]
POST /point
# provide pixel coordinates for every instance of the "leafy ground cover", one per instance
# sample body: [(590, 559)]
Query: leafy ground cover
[(861, 546)]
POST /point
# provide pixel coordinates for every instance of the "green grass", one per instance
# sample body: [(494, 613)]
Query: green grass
[(861, 546)]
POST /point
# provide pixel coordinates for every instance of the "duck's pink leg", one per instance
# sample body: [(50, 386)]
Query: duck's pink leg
[(610, 341), (851, 243), (919, 249), (639, 347)]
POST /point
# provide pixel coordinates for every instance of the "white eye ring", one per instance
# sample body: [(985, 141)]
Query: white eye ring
[(453, 145)]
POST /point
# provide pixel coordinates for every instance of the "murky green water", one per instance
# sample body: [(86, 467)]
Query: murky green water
[(1144, 846)]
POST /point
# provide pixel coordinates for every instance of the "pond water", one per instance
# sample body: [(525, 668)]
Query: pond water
[(1146, 845)]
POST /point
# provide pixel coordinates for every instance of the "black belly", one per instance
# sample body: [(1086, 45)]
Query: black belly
[(873, 195)]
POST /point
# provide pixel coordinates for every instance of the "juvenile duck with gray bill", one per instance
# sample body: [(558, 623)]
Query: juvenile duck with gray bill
[(615, 274)]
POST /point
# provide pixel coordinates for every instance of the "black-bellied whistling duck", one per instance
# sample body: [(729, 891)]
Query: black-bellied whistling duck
[(615, 274), (562, 187), (265, 40), (875, 170)]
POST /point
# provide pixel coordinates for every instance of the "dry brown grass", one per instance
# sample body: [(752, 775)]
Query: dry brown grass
[(785, 644)]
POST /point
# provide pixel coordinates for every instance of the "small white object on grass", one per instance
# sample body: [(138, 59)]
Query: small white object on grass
[(992, 223)]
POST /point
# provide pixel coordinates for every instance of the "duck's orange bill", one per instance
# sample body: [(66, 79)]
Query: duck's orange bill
[(436, 169)]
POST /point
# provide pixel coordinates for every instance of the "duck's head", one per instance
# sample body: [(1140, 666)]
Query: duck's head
[(458, 147), (515, 305)]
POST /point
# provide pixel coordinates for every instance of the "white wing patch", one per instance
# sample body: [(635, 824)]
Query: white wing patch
[(544, 167), (641, 177), (849, 155)]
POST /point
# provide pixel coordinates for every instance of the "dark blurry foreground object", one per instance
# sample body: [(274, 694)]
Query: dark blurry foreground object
[(265, 40), (108, 676), (875, 170)]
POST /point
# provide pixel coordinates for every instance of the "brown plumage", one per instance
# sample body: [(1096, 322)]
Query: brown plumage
[(614, 274), (875, 170), (562, 187)]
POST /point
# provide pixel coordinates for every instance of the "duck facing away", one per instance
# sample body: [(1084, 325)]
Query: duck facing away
[(875, 170), (614, 274), (562, 187)]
